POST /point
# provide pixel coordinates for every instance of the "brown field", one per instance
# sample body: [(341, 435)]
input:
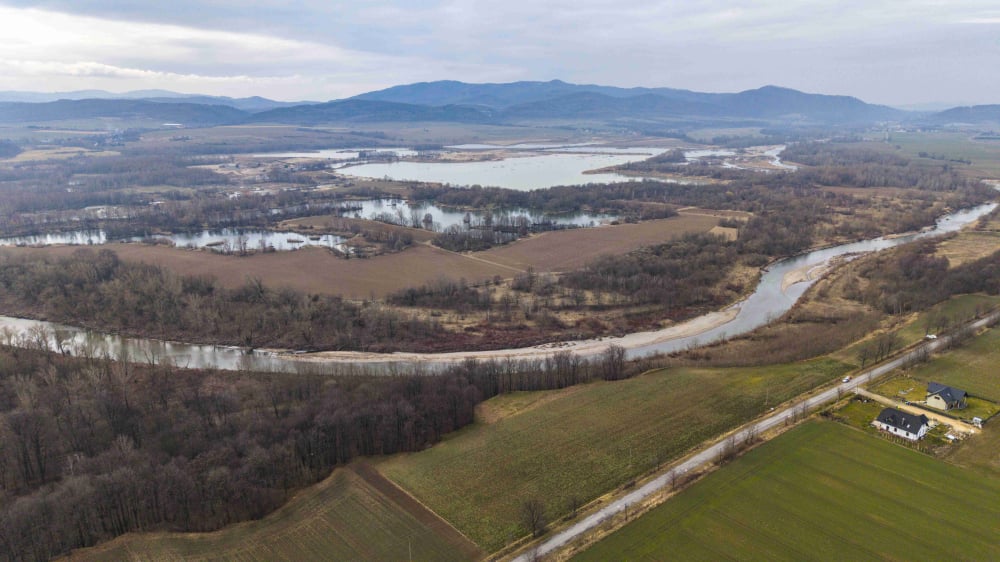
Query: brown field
[(58, 153), (969, 246), (729, 233), (355, 514), (569, 249), (313, 270)]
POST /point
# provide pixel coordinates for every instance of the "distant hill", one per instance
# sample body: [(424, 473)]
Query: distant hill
[(357, 110), (561, 100), (975, 114), (591, 105), (188, 114), (512, 103), (771, 102), (498, 96), (251, 104)]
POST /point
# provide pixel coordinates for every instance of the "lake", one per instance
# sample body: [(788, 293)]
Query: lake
[(522, 173)]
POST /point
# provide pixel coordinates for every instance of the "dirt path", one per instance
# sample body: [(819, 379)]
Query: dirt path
[(419, 511), (940, 418), (475, 258)]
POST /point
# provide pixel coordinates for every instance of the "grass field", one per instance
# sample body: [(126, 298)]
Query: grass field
[(343, 518), (821, 492), (973, 368), (953, 310), (969, 246), (59, 153), (982, 453), (984, 154), (905, 387), (584, 441)]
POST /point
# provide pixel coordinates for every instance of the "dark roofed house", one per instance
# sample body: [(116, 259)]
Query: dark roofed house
[(945, 397), (903, 424)]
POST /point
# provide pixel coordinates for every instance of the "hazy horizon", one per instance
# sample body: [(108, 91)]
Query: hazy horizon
[(899, 53)]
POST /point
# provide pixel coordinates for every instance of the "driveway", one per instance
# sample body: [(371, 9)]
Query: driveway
[(938, 417)]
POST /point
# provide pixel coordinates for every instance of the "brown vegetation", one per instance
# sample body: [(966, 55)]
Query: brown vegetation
[(570, 249)]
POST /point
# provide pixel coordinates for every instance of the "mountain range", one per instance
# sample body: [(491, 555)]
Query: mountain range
[(512, 103)]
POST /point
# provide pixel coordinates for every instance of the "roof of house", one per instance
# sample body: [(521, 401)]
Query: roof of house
[(902, 420), (947, 393)]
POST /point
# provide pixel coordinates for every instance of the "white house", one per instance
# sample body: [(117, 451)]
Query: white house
[(910, 426)]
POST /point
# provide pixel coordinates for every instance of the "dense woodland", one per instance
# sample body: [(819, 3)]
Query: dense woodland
[(93, 448)]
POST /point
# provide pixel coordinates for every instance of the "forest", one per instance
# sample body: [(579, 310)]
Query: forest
[(92, 448)]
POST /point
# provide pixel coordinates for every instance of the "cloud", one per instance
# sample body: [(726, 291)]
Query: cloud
[(121, 54), (322, 49)]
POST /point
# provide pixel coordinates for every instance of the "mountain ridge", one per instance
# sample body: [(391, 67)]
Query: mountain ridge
[(505, 104)]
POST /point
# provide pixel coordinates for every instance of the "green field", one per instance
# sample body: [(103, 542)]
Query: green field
[(342, 518), (585, 441), (981, 453), (821, 492), (984, 154), (905, 387), (974, 368), (954, 310)]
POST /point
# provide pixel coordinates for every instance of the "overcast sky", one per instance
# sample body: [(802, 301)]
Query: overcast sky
[(897, 52)]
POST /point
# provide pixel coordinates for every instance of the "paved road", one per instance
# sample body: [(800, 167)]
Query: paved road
[(711, 453)]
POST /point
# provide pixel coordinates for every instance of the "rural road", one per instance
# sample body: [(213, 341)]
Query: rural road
[(709, 454)]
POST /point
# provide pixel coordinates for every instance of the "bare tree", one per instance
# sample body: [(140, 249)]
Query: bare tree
[(613, 362), (533, 516)]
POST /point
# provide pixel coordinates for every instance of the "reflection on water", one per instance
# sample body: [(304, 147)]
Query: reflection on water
[(414, 214), (226, 239), (396, 211), (523, 173)]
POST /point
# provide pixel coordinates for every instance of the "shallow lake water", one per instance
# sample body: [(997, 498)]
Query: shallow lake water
[(521, 173)]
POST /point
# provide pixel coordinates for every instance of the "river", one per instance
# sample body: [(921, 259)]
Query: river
[(773, 296)]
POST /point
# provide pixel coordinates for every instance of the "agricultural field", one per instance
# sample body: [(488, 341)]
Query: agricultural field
[(317, 271), (584, 441), (981, 454), (570, 249), (821, 492), (313, 270), (984, 154), (57, 153), (345, 517)]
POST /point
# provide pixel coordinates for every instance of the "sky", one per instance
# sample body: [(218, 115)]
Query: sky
[(895, 52)]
